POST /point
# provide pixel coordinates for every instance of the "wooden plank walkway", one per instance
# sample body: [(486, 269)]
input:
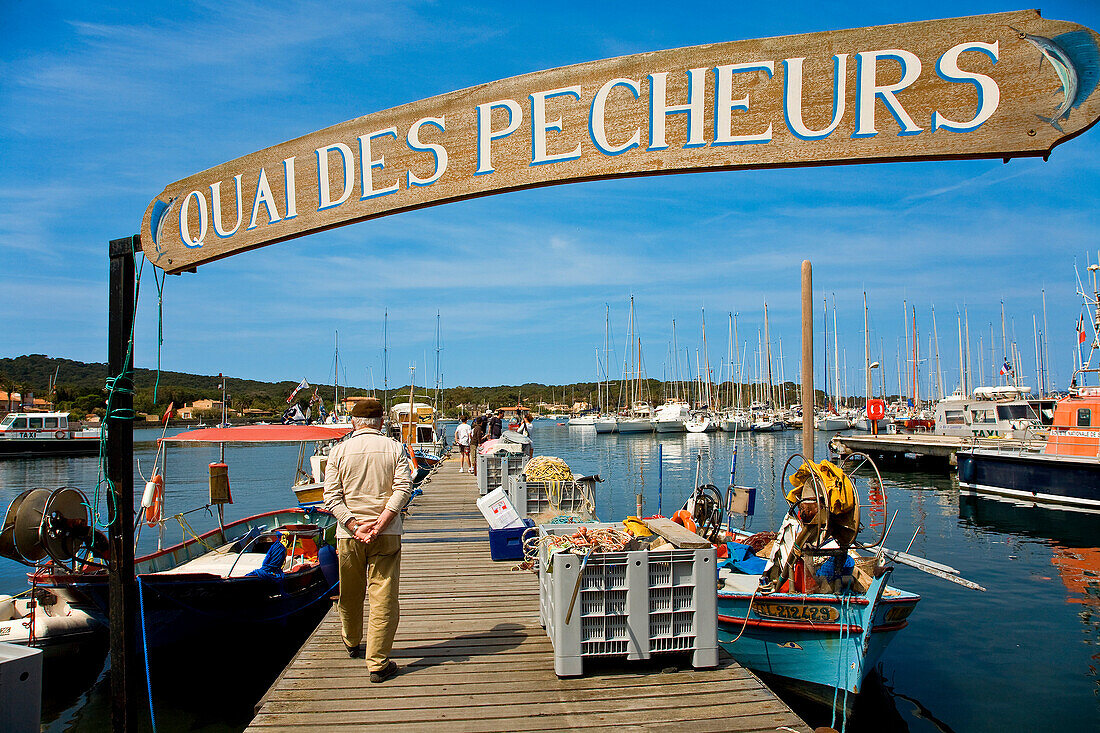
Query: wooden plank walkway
[(474, 657)]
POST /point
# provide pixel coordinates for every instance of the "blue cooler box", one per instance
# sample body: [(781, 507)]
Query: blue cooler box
[(507, 544)]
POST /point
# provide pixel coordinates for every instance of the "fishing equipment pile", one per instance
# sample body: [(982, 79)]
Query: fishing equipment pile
[(547, 468)]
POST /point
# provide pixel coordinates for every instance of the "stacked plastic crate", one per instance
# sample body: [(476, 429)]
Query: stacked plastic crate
[(531, 498), (494, 469), (628, 604)]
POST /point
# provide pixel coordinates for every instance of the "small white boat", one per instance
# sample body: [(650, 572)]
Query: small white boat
[(582, 421), (634, 425), (701, 423), (607, 424), (735, 422), (52, 618), (831, 421)]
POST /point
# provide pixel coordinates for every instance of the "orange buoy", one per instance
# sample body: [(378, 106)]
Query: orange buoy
[(684, 519), (153, 499)]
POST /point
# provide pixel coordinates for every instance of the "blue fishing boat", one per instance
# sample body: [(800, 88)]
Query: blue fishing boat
[(810, 606), (822, 645)]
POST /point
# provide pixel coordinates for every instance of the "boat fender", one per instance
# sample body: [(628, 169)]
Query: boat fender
[(684, 518), (60, 435), (152, 499), (413, 467)]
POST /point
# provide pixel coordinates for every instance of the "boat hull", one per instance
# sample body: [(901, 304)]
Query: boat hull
[(635, 425), (606, 427), (17, 448), (674, 425), (798, 637), (196, 609), (1067, 482)]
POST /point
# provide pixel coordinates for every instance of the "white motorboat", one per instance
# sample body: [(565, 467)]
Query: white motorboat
[(997, 412), (735, 422), (830, 421), (634, 425), (607, 424), (671, 417), (582, 421), (702, 422)]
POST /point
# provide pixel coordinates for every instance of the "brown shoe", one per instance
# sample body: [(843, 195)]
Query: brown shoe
[(353, 651), (385, 673)]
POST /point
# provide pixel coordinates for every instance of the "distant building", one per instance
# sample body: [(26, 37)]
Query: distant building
[(21, 402), (192, 411)]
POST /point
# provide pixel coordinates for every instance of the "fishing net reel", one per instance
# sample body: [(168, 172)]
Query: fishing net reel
[(43, 525), (707, 511), (826, 501)]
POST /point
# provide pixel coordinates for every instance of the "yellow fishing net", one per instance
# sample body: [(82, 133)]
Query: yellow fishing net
[(547, 468), (838, 488)]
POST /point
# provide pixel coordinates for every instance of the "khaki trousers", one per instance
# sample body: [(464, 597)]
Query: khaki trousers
[(378, 565)]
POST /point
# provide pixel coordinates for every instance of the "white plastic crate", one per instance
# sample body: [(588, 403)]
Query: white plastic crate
[(493, 470), (629, 605), (531, 498)]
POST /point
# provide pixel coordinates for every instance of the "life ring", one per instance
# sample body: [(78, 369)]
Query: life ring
[(153, 499), (60, 435), (684, 518)]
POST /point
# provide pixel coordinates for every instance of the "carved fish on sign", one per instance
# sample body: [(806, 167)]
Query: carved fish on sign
[(1063, 67)]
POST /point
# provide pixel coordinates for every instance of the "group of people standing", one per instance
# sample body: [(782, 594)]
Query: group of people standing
[(469, 437)]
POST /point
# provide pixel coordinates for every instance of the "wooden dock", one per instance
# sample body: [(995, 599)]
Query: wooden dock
[(474, 657)]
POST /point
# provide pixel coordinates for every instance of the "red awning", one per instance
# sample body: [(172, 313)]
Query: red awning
[(260, 434)]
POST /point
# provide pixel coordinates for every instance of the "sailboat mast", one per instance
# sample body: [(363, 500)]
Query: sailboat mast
[(1046, 365), (936, 339), (825, 349), (916, 351), (438, 347), (385, 363), (706, 361), (969, 364), (866, 349), (768, 355), (908, 349), (740, 366), (836, 361), (962, 359), (729, 357)]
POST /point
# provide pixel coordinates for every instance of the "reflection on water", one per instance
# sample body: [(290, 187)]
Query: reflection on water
[(1022, 656)]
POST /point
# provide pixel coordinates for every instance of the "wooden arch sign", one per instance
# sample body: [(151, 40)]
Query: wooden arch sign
[(991, 86)]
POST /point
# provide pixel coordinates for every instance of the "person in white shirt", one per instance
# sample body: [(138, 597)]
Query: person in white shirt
[(462, 440)]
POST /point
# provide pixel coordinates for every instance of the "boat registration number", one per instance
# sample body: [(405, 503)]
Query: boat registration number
[(5, 630), (797, 612)]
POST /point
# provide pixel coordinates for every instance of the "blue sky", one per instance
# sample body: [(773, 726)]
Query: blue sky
[(103, 105)]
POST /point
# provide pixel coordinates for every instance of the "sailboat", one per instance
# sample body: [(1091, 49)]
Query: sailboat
[(606, 422), (831, 419), (766, 420), (705, 419), (638, 413)]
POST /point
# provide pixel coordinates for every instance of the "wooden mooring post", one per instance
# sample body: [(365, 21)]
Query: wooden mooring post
[(807, 360), (119, 423)]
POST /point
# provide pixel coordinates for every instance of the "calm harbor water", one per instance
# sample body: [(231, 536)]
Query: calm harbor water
[(1022, 656)]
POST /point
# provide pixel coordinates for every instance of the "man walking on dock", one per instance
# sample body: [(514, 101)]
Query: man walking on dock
[(462, 440), (367, 482)]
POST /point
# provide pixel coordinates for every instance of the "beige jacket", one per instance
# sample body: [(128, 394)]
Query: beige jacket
[(367, 473)]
